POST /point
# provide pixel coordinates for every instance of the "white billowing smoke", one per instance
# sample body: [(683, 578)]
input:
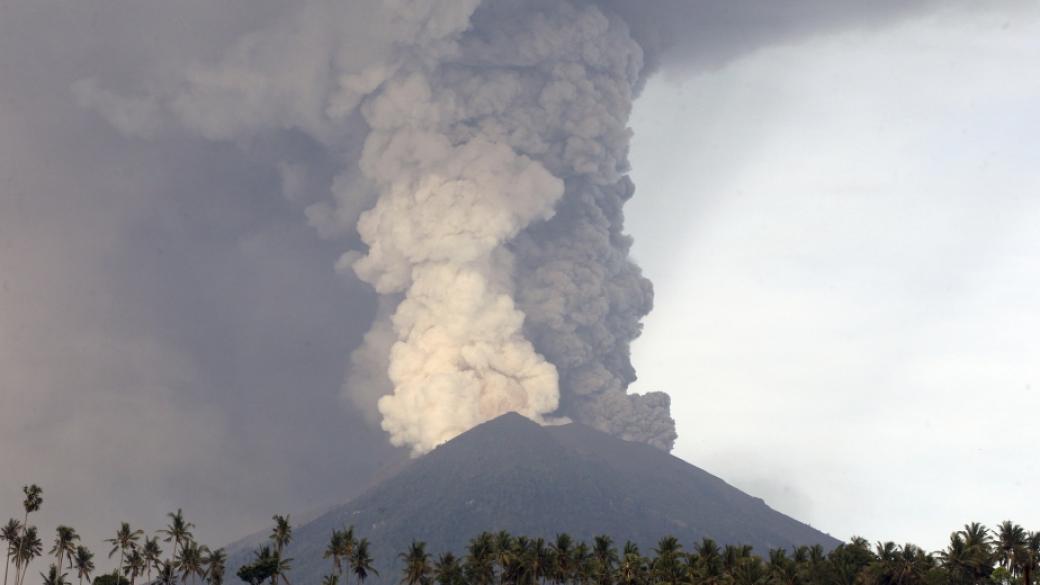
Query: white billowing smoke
[(485, 150), (436, 235)]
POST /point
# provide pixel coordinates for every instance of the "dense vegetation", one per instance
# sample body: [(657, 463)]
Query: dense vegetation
[(975, 555)]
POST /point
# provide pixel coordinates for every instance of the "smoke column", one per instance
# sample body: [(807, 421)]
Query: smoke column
[(484, 148), (499, 158)]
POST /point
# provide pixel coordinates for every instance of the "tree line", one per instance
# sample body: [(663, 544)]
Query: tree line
[(975, 555), (140, 556)]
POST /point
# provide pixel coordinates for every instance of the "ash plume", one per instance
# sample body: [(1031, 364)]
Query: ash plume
[(485, 151), (500, 168)]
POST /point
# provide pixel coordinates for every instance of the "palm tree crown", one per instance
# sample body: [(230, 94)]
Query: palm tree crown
[(64, 544), (416, 564), (83, 562), (177, 531), (448, 571), (190, 560), (361, 561), (151, 552), (29, 547), (124, 540), (54, 577), (32, 502), (216, 563), (282, 533)]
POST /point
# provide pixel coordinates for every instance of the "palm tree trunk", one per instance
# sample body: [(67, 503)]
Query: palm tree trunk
[(25, 569), (21, 543), (7, 565), (176, 545)]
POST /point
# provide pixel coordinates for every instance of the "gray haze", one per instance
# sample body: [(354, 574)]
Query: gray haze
[(175, 194), (854, 217)]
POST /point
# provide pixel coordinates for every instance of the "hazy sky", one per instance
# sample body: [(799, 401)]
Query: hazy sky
[(843, 237), (836, 206)]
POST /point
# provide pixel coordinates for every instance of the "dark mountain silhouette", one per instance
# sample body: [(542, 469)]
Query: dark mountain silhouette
[(512, 474)]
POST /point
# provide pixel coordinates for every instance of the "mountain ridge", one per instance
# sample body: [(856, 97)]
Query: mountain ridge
[(512, 474)]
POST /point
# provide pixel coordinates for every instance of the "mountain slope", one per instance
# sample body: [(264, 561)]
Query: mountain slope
[(512, 474)]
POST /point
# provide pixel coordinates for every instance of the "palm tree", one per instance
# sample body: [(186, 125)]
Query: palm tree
[(521, 567), (957, 559), (53, 577), (282, 533), (9, 534), (605, 557), (216, 564), (64, 544), (582, 563), (346, 551), (29, 547), (83, 562), (266, 565), (480, 560), (1011, 548), (124, 540), (361, 562), (177, 531), (503, 549), (709, 558), (190, 561), (632, 569), (976, 535), (135, 564), (750, 570), (261, 569), (540, 560), (782, 570), (562, 550), (1031, 558), (416, 564), (667, 566), (333, 551), (979, 547), (152, 554), (447, 570), (32, 502), (165, 575), (913, 565)]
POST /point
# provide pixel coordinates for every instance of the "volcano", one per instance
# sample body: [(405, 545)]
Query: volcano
[(515, 475)]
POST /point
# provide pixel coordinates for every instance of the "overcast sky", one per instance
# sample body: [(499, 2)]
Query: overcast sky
[(843, 237), (836, 203)]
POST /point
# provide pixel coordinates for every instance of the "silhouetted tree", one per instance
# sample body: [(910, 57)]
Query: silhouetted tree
[(361, 562)]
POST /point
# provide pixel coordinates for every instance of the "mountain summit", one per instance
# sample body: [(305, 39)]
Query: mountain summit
[(515, 475)]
